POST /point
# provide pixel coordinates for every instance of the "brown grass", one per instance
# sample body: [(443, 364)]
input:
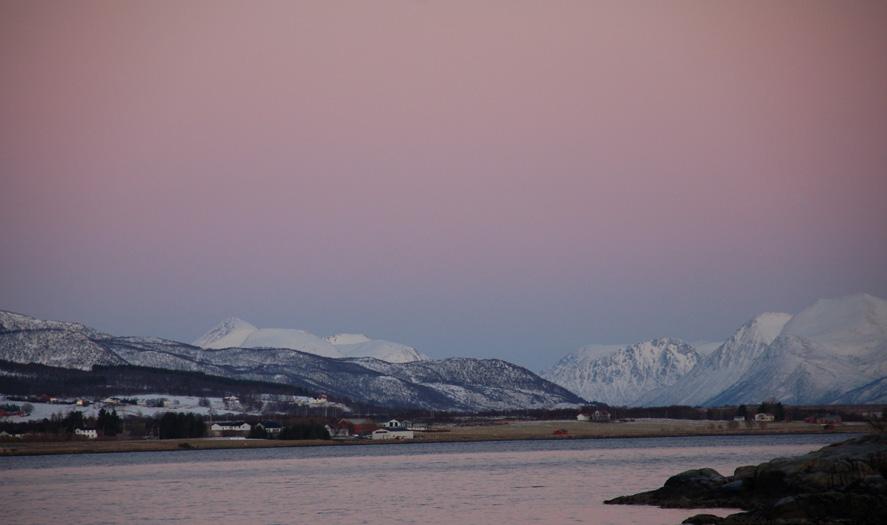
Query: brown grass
[(640, 428), (512, 430)]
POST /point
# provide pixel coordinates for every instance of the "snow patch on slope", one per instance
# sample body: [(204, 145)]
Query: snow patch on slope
[(237, 333), (292, 339), (348, 339), (854, 325), (230, 333)]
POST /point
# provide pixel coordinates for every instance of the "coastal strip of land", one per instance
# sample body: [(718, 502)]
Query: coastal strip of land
[(494, 431)]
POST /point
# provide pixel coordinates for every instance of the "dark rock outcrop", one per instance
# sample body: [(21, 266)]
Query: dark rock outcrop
[(841, 483)]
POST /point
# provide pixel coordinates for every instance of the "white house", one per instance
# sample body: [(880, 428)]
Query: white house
[(230, 426), (766, 418), (392, 434), (600, 416), (393, 424), (88, 433), (583, 417)]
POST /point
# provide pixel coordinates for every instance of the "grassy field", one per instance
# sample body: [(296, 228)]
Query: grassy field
[(499, 431), (638, 428)]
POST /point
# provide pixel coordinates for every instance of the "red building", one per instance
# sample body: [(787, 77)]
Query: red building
[(356, 426)]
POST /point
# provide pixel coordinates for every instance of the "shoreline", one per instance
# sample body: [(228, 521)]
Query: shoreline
[(466, 435), (814, 487)]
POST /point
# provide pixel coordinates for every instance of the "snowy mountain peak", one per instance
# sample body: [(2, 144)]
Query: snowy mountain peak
[(763, 328), (237, 333), (746, 344), (230, 333), (723, 367)]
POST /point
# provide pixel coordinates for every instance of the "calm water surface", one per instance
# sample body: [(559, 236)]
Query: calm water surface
[(468, 483)]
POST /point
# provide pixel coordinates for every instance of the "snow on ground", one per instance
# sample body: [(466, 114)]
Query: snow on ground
[(217, 405)]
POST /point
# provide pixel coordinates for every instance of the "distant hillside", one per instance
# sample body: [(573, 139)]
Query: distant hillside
[(453, 384), (101, 381)]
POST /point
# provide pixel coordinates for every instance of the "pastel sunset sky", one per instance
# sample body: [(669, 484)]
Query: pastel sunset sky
[(495, 179)]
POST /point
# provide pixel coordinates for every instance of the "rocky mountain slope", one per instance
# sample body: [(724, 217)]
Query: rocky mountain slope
[(24, 339), (868, 394), (625, 376), (456, 384), (724, 367)]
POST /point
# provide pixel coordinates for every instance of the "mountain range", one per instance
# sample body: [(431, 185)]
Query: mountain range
[(619, 376), (456, 384), (834, 351), (237, 333)]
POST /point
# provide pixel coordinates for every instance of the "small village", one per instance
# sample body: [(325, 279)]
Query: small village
[(157, 417)]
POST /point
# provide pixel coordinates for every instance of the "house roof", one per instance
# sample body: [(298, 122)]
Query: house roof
[(357, 421), (229, 423)]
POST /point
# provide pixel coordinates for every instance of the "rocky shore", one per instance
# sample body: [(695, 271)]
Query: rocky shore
[(843, 483)]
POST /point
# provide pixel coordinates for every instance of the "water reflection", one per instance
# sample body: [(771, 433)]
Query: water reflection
[(513, 482)]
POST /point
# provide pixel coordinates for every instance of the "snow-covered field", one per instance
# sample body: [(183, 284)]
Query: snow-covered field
[(217, 406)]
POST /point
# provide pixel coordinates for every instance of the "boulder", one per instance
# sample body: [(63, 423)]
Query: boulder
[(703, 519), (842, 483)]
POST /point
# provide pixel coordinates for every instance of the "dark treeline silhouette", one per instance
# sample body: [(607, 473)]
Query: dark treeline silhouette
[(304, 431), (57, 425), (101, 381), (108, 423), (725, 413), (172, 425)]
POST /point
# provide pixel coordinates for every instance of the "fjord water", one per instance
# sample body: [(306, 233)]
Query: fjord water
[(514, 482)]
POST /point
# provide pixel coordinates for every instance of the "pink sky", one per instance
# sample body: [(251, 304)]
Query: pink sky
[(507, 179)]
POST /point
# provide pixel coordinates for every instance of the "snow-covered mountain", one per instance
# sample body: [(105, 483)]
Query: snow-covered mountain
[(237, 333), (623, 376), (359, 345), (793, 370), (833, 351), (24, 339), (494, 383), (870, 393), (453, 384), (722, 368), (829, 348)]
